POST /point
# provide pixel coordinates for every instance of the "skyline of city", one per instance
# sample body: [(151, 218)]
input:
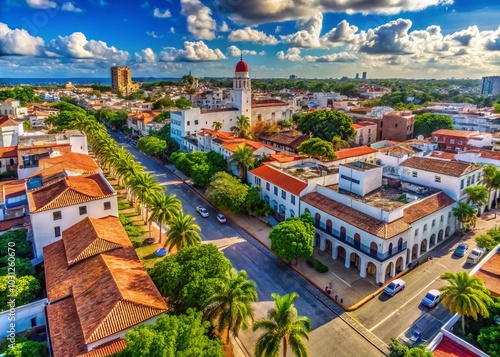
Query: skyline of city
[(158, 38)]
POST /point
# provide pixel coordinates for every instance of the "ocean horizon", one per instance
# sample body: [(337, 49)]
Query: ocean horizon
[(74, 80)]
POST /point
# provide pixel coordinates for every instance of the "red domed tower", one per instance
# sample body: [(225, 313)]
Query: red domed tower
[(242, 89)]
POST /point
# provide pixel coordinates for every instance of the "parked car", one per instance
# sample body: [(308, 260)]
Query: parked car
[(221, 218), (431, 299), (202, 211), (394, 287), (475, 255), (461, 249)]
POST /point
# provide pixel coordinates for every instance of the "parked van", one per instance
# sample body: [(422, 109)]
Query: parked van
[(475, 256)]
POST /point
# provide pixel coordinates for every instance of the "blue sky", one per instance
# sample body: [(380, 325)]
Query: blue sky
[(309, 38)]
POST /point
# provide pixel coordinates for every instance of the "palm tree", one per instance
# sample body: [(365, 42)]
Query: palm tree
[(478, 195), (242, 126), (217, 125), (465, 214), (163, 208), (231, 307), (466, 295), (142, 186), (243, 158), (491, 179), (183, 232), (338, 143), (283, 325)]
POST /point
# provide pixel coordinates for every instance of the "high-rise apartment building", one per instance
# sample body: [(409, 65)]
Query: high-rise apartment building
[(490, 85), (121, 81), (364, 75)]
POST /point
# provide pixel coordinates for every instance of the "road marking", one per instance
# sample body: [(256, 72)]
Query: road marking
[(406, 303), (342, 280)]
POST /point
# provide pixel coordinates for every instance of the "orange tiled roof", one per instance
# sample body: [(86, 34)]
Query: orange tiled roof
[(490, 273), (449, 168), (8, 151), (218, 134), (487, 154), (427, 206), (398, 150), (8, 224), (284, 157), (449, 348), (353, 152), (443, 155), (91, 236), (458, 133), (107, 349), (280, 179), (6, 121), (286, 139), (69, 191), (74, 162)]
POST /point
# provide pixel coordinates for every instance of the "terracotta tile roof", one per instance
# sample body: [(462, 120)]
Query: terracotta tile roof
[(286, 139), (442, 155), (66, 335), (487, 154), (107, 349), (17, 222), (398, 150), (8, 151), (427, 206), (232, 145), (218, 134), (458, 133), (449, 168), (353, 152), (449, 348), (91, 236), (356, 218), (260, 103), (490, 273), (356, 126), (112, 292), (280, 179), (284, 157), (13, 188), (69, 191), (6, 121), (73, 162)]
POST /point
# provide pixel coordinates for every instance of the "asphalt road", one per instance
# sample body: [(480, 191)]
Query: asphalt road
[(330, 334), (395, 316)]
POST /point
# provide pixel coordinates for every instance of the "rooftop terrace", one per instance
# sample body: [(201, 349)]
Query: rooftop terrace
[(309, 170)]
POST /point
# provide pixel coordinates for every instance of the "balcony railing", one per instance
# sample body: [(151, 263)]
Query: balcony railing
[(358, 245)]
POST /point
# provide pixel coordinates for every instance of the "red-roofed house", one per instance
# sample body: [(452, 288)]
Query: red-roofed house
[(366, 132), (9, 131), (8, 158), (362, 153), (453, 140)]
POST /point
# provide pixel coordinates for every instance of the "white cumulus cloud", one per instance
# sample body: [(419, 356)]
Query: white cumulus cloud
[(234, 51), (69, 6), (153, 34), (162, 14), (308, 34), (41, 4), (147, 56), (249, 34), (19, 42), (295, 55), (196, 51), (199, 19)]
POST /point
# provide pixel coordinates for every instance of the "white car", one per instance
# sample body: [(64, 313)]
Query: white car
[(202, 211), (475, 255), (394, 287), (221, 218), (431, 299)]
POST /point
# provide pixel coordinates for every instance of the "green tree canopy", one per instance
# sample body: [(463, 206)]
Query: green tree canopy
[(183, 103), (151, 145), (397, 349), (163, 103), (227, 192), (318, 149), (292, 239), (173, 336), (23, 266), (25, 348), (427, 123), (465, 214), (488, 339), (325, 124), (485, 241), (18, 237), (26, 289), (191, 276)]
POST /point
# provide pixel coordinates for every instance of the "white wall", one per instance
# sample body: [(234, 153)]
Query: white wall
[(79, 144), (22, 317), (43, 222)]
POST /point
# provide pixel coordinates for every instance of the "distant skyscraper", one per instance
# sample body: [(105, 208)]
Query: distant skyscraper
[(293, 76), (357, 76), (121, 81), (490, 85), (364, 75)]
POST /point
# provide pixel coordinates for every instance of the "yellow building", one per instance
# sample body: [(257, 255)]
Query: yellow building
[(121, 81)]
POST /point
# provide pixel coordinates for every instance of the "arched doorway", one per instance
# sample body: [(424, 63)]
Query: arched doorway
[(328, 246), (357, 240), (432, 241), (390, 248), (399, 264), (355, 260), (371, 269), (341, 253), (388, 270), (400, 244), (317, 219), (373, 248), (317, 240), (447, 232), (414, 252), (329, 226), (440, 236), (342, 233), (423, 246)]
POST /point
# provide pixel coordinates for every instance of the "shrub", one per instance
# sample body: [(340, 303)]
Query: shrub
[(317, 265)]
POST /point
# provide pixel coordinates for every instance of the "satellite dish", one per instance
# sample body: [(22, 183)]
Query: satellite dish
[(420, 137)]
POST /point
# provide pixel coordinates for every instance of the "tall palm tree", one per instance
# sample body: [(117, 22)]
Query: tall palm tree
[(217, 125), (465, 214), (163, 209), (230, 308), (142, 187), (243, 158), (478, 195), (491, 179), (338, 143), (242, 126), (466, 295), (183, 232), (283, 325)]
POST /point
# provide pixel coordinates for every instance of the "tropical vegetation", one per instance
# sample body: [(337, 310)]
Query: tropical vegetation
[(326, 124), (292, 238), (183, 231), (227, 192), (465, 214), (427, 123)]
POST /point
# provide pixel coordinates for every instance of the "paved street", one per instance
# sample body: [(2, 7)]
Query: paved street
[(331, 334)]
